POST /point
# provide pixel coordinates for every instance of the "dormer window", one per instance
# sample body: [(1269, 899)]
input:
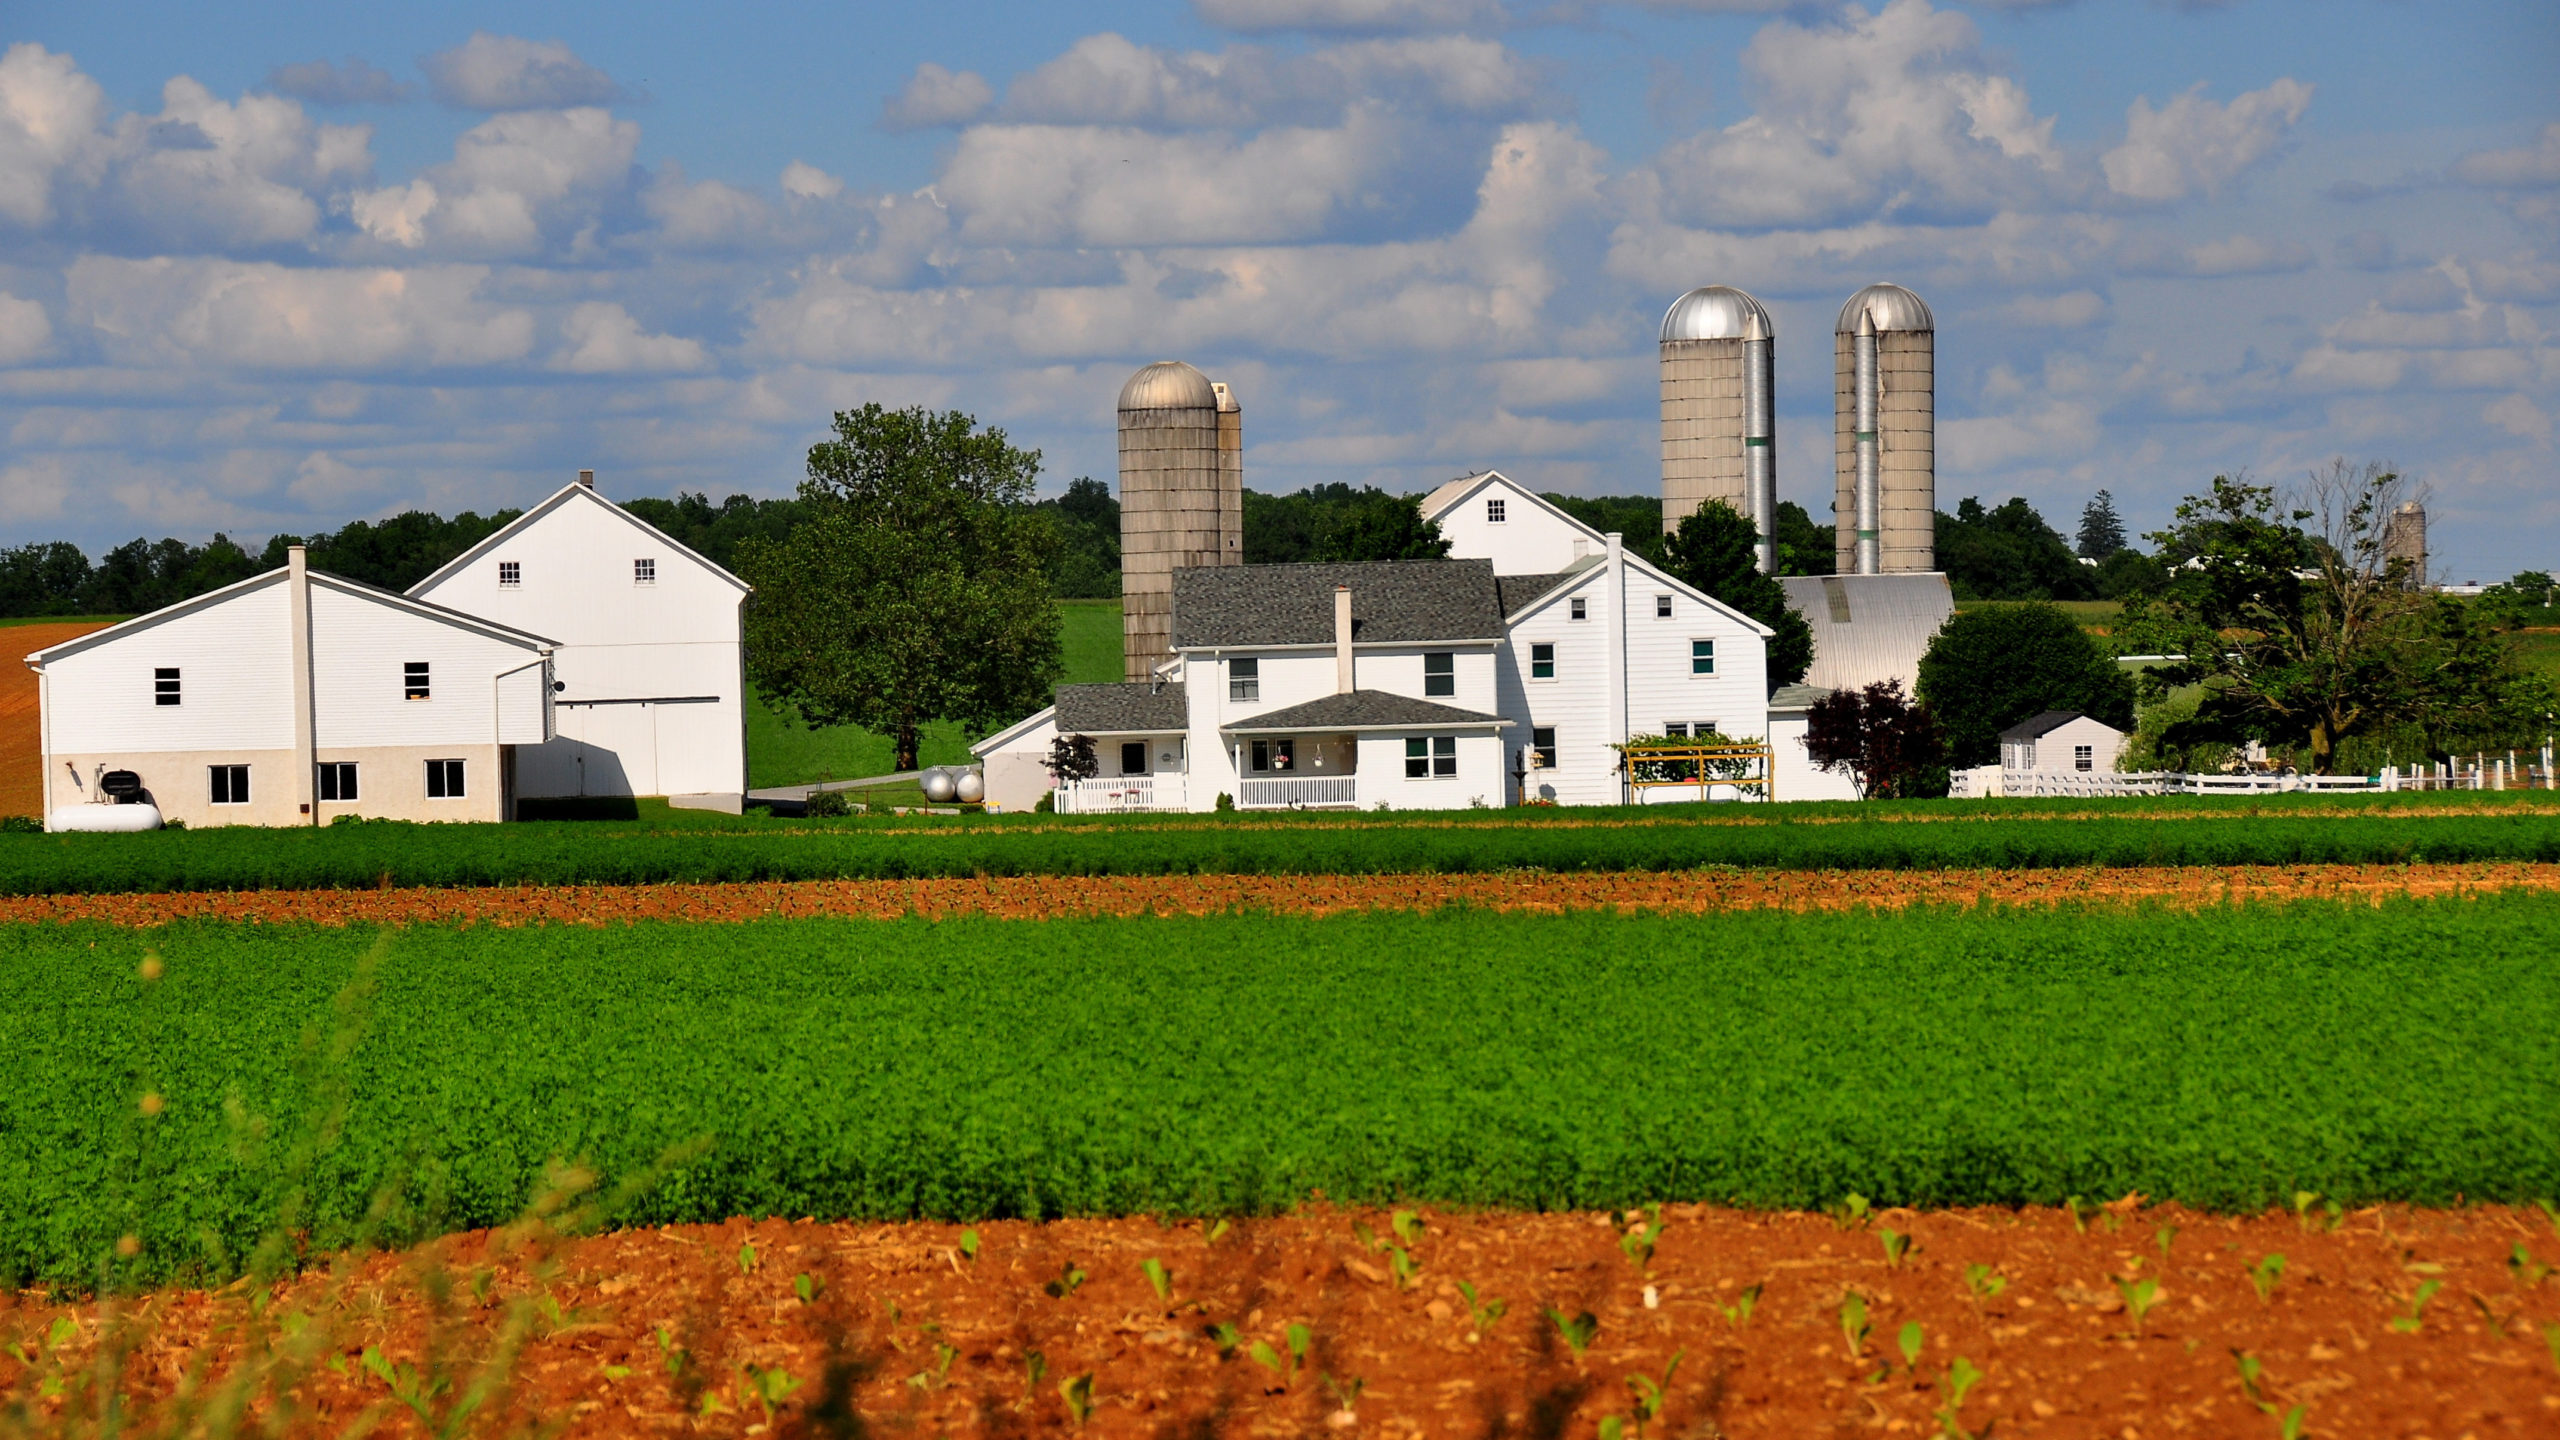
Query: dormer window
[(644, 572), (1493, 512), (510, 574)]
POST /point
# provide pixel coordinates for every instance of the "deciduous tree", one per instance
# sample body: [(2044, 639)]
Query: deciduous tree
[(1714, 550), (1889, 747), (1988, 669)]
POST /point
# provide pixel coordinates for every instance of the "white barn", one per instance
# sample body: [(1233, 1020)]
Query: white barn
[(292, 698), (650, 662)]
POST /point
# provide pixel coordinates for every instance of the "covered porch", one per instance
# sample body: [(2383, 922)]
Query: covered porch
[(1362, 749)]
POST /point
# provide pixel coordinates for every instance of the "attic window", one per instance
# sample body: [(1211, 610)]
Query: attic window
[(1661, 607), (644, 572), (510, 573), (164, 686), (1702, 657), (1493, 512), (413, 680), (1581, 608)]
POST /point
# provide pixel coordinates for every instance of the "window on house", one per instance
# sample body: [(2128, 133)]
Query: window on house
[(1271, 755), (1661, 607), (1133, 757), (413, 680), (230, 784), (1542, 743), (644, 572), (1244, 679), (444, 779), (1702, 657), (1430, 757), (2084, 757), (1677, 729), (338, 780), (510, 573), (164, 685), (1444, 755), (1493, 512), (1581, 608), (1542, 661), (1439, 674)]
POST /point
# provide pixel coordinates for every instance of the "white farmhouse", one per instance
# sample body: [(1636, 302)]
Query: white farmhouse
[(292, 698), (650, 658)]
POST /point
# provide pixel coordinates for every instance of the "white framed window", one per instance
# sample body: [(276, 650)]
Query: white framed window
[(1677, 729), (1244, 679), (1133, 757), (338, 780), (1440, 674), (644, 572), (230, 784), (1581, 608), (1275, 755), (510, 574), (1702, 657), (1430, 757), (2084, 757), (164, 685), (1493, 511), (1542, 660), (1661, 607), (444, 780), (413, 681), (1542, 744)]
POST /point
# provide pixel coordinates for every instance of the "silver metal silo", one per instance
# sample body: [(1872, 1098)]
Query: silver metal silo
[(1892, 399), (1172, 510), (1711, 364), (1760, 435)]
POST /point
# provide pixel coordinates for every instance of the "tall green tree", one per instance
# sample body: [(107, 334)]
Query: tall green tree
[(915, 587), (2101, 529), (2008, 553), (2304, 631), (1714, 550), (1804, 548), (1337, 522), (1988, 669)]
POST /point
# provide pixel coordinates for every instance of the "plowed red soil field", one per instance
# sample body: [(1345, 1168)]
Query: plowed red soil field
[(2130, 1322), (1050, 898), (21, 742)]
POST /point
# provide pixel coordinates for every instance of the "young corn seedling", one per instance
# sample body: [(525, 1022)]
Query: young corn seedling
[(1853, 1323), (1066, 1283), (1909, 1341), (1077, 1391), (1402, 1265), (969, 1246), (807, 1286), (1034, 1365), (2409, 1324), (1896, 1245), (1217, 1232), (1408, 1227), (1637, 1244), (938, 1376), (1652, 1394), (747, 1261), (2082, 1211), (1961, 1378), (1738, 1314), (2264, 1275), (1225, 1338), (1851, 1210), (1985, 1282), (2139, 1298), (2303, 1200), (1299, 1337), (2250, 1369), (1483, 1310), (1159, 1279), (2164, 1237), (2527, 1271), (1345, 1393), (1578, 1331), (2293, 1423), (2551, 1213), (2551, 1337)]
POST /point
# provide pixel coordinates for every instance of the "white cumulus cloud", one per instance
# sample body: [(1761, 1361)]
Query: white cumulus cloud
[(25, 330), (508, 72), (511, 176), (191, 312), (603, 339), (2528, 167), (2233, 255), (1346, 15), (935, 96), (48, 111), (808, 182), (324, 82), (2192, 144)]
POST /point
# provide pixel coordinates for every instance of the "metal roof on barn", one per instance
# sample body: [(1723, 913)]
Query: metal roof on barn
[(1868, 628), (1392, 602)]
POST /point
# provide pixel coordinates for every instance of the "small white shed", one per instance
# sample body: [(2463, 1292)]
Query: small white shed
[(2062, 740)]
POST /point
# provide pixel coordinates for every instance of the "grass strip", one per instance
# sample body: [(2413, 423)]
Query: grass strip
[(976, 1068)]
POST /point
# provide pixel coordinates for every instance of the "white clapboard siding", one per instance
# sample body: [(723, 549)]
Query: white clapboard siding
[(1575, 702), (233, 654), (361, 641), (1532, 538), (1663, 690)]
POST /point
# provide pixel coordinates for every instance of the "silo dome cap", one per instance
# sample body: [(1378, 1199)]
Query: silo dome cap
[(1168, 385), (1894, 308), (1713, 312)]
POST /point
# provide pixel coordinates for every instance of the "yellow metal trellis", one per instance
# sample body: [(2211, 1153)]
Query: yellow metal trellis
[(1745, 767)]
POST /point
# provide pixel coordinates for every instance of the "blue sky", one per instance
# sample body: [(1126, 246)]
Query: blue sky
[(273, 267)]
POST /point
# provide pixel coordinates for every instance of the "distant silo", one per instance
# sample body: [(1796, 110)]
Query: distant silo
[(1176, 470), (1717, 414), (2404, 543), (1886, 417)]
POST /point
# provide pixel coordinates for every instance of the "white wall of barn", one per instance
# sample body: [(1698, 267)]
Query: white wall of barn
[(360, 648), (1531, 538), (233, 658)]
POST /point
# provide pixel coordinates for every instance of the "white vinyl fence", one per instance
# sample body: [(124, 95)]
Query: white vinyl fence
[(2478, 772)]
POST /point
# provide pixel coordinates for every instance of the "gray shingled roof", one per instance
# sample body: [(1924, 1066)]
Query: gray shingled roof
[(2040, 726), (1121, 709), (1519, 590), (1392, 602), (1362, 709), (1791, 698)]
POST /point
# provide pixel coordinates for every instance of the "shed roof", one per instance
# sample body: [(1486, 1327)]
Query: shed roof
[(1363, 710), (1795, 699), (1392, 602), (1868, 628), (1140, 708), (2045, 724)]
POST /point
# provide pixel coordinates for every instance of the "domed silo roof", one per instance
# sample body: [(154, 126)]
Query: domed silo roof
[(1894, 307), (1712, 312), (1168, 385)]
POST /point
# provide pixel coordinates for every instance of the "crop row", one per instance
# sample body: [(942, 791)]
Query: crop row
[(570, 854), (969, 1069)]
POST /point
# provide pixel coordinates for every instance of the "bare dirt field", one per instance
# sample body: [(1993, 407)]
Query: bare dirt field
[(1695, 891), (21, 743), (2130, 1321)]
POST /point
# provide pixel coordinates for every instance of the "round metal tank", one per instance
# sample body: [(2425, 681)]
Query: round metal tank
[(103, 819), (971, 787), (1703, 411), (1906, 436), (1178, 463), (938, 786)]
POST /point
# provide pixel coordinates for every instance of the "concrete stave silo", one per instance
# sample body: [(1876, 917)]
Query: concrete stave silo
[(1886, 424), (1181, 498), (1718, 409)]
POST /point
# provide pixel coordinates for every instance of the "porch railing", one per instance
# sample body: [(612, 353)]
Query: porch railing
[(1121, 793), (1298, 791)]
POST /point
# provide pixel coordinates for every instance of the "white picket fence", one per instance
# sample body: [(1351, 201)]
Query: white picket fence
[(1121, 793), (2483, 772)]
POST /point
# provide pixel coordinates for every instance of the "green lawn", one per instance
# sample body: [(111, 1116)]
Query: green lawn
[(2097, 616), (782, 751), (2540, 651)]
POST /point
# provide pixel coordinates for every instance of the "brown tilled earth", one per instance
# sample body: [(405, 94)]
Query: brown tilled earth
[(1690, 891), (2384, 1322), (21, 742)]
